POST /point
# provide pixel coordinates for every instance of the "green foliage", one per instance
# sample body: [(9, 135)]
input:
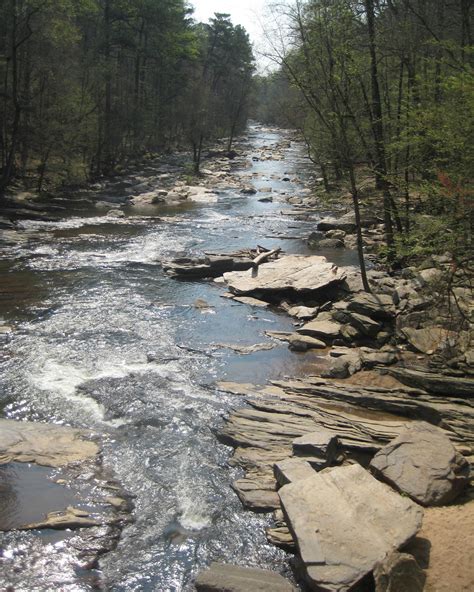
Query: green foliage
[(88, 84)]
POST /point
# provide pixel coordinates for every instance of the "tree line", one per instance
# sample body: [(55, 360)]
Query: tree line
[(87, 85), (384, 87)]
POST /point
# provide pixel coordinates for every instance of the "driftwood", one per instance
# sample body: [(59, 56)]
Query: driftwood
[(265, 256)]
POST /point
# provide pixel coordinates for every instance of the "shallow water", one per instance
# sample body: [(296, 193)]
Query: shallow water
[(104, 340)]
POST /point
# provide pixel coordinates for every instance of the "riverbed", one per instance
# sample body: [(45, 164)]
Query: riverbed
[(103, 339)]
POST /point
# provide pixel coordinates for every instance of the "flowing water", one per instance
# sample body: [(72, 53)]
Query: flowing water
[(103, 339)]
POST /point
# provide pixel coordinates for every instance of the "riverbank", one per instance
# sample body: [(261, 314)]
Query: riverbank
[(135, 354)]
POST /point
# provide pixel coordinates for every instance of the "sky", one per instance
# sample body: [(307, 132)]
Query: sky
[(248, 13)]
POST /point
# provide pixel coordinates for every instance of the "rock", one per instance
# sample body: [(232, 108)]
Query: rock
[(399, 572), (43, 444), (303, 312), (268, 199), (201, 194), (375, 306), (292, 273), (70, 518), (327, 331), (432, 275), (329, 243), (291, 470), (246, 349), (205, 267), (364, 325), (428, 339), (304, 342), (345, 223), (423, 463), (281, 537), (256, 493), (448, 386), (230, 578), (373, 358), (248, 191), (344, 523), (322, 444), (344, 366), (251, 301), (338, 234)]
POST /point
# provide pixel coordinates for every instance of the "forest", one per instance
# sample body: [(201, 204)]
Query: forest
[(382, 93), (90, 84), (380, 90)]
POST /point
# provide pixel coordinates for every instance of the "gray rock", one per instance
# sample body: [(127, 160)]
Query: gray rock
[(344, 523), (291, 470), (231, 578), (303, 312), (399, 572), (423, 463), (322, 444)]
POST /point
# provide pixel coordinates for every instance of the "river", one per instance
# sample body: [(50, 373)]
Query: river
[(103, 339)]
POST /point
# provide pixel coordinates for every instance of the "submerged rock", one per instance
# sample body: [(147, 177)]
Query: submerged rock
[(44, 444), (231, 578), (345, 522), (423, 463)]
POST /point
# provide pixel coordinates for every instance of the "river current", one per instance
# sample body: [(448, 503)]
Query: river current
[(103, 339)]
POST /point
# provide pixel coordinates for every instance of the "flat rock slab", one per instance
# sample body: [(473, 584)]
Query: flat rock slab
[(43, 444), (345, 522), (325, 330), (423, 463), (322, 443), (231, 578), (291, 273), (291, 470)]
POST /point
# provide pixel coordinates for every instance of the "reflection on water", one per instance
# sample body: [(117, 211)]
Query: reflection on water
[(28, 493)]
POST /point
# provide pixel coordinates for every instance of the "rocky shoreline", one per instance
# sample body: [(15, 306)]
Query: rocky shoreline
[(330, 458)]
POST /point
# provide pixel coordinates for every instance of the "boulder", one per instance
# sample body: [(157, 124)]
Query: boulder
[(399, 572), (291, 470), (423, 463), (344, 523), (292, 273), (231, 578)]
